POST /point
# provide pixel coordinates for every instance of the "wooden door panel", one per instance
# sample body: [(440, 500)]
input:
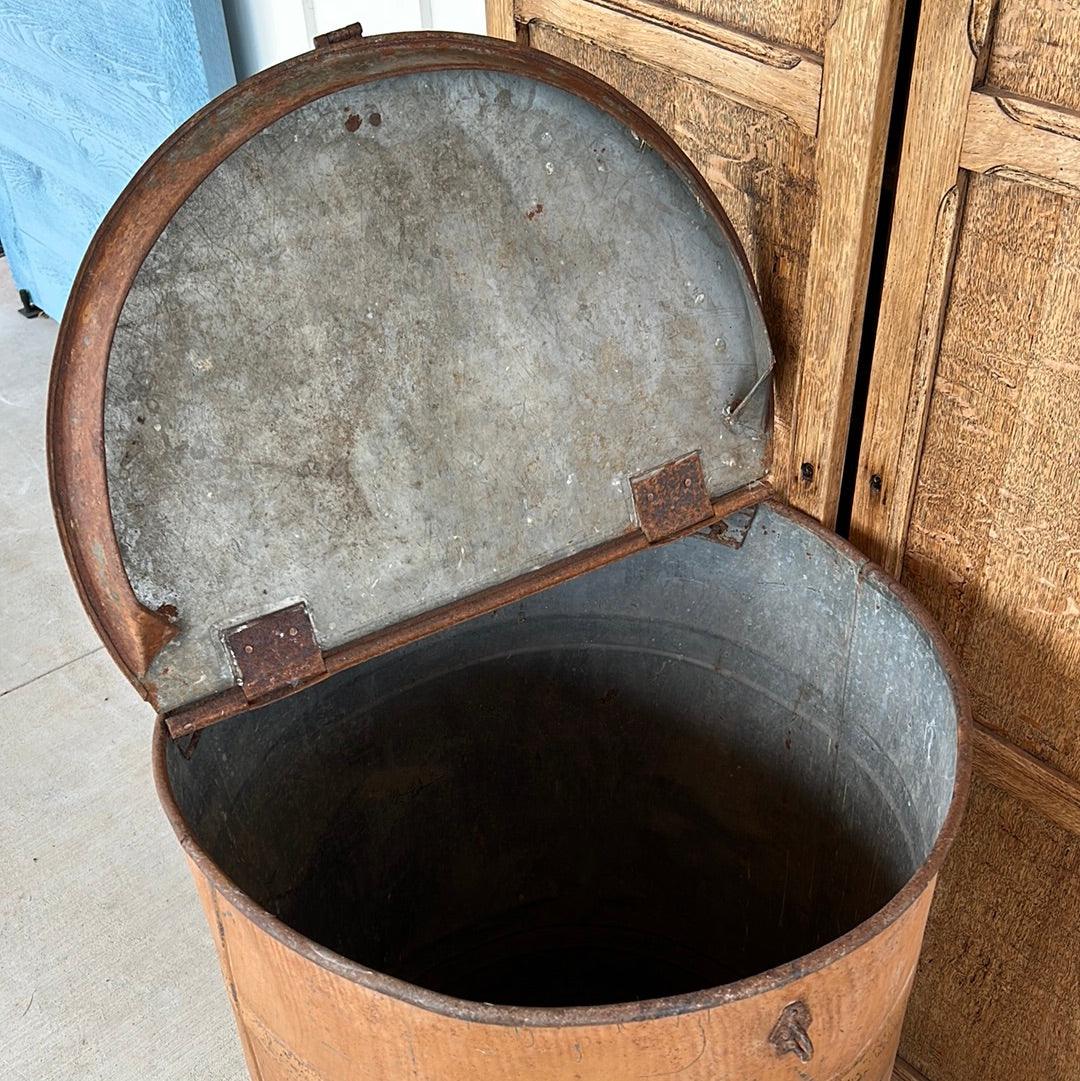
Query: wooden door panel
[(994, 538), (997, 987), (803, 24), (967, 485), (1035, 51)]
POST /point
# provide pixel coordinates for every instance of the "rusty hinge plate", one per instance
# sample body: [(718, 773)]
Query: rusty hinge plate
[(672, 497), (274, 651)]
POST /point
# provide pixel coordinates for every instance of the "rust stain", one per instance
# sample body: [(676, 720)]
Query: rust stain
[(353, 122), (346, 35), (535, 211)]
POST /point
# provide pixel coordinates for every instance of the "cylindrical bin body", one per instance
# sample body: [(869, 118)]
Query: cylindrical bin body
[(681, 816)]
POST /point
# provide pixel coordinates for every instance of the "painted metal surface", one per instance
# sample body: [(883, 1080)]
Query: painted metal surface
[(543, 752), (87, 91), (587, 315)]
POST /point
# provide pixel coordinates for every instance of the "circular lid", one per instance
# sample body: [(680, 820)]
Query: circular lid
[(385, 328)]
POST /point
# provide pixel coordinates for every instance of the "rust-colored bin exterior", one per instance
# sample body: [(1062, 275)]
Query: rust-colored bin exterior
[(304, 1013), (615, 700)]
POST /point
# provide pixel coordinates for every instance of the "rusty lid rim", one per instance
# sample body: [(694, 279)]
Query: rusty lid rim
[(646, 1009)]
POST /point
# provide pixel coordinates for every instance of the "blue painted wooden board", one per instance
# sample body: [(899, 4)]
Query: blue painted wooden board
[(88, 89)]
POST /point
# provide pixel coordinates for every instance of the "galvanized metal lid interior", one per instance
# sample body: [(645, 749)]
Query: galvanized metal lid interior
[(390, 327)]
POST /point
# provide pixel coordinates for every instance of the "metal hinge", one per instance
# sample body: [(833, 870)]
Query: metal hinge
[(274, 652), (672, 497)]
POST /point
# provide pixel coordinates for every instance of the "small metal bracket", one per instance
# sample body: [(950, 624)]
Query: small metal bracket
[(672, 497), (789, 1034), (29, 309), (732, 529), (339, 37), (275, 651)]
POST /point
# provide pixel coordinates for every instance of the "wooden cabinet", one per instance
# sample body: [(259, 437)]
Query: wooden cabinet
[(967, 471)]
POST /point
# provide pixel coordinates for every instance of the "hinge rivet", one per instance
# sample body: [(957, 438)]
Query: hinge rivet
[(249, 649)]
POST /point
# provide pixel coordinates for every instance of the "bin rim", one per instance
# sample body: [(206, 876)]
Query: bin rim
[(645, 1009)]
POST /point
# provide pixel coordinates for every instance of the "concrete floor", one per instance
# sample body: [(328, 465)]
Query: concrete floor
[(107, 970)]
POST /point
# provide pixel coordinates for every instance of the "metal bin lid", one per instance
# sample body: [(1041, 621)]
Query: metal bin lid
[(383, 337)]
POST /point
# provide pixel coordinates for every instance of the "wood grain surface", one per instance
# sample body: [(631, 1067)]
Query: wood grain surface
[(500, 19), (928, 200), (971, 436), (1022, 140), (803, 25), (994, 541), (860, 65), (1036, 50), (998, 984), (1026, 778), (732, 64)]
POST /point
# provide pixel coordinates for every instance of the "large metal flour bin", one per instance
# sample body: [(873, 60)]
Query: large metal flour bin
[(409, 444)]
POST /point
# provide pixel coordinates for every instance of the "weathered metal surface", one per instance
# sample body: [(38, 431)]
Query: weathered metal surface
[(469, 395), (672, 497), (675, 745), (581, 342), (731, 530), (274, 651)]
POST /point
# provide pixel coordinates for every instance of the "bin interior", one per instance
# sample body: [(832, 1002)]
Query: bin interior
[(674, 772)]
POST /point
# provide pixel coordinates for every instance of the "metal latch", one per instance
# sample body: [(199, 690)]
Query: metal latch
[(672, 497), (274, 651), (339, 37), (790, 1034)]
